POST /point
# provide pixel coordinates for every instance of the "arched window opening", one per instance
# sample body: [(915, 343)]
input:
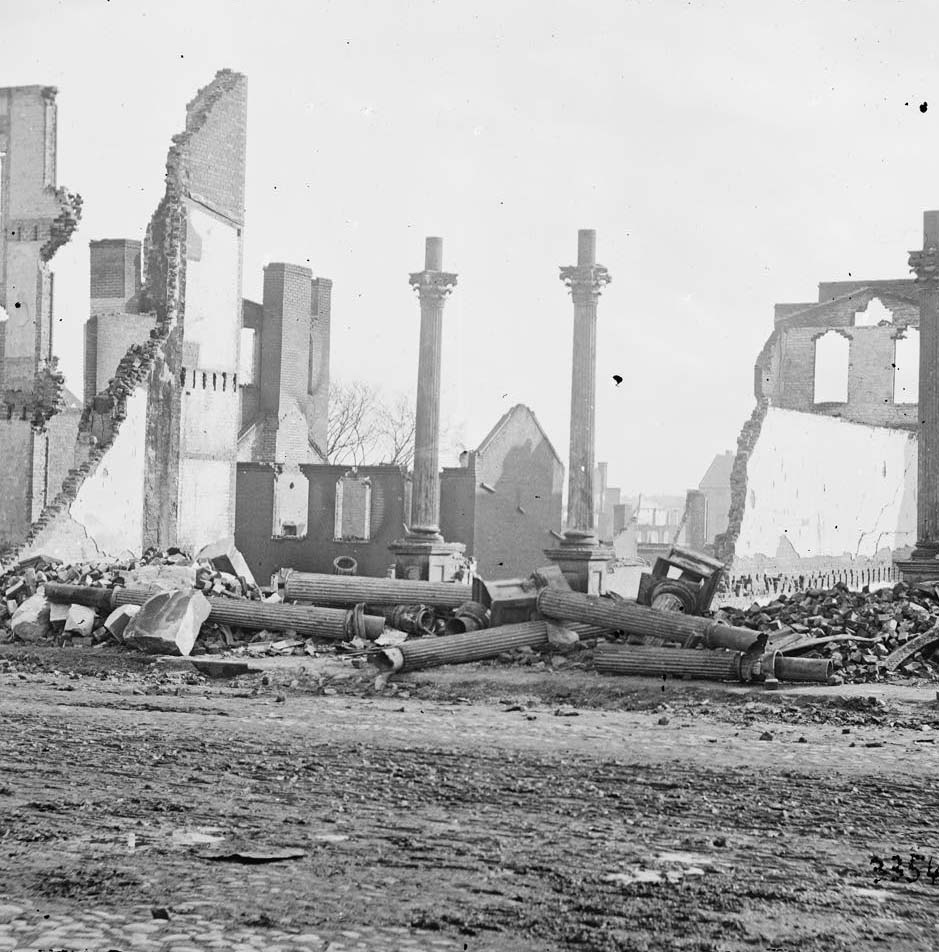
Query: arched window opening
[(831, 368), (906, 367)]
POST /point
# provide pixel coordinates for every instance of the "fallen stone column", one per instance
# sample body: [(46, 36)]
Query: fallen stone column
[(306, 620), (709, 664), (678, 662), (347, 590), (803, 669), (473, 645), (635, 619)]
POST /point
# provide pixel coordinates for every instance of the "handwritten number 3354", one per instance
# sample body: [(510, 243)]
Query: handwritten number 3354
[(897, 874)]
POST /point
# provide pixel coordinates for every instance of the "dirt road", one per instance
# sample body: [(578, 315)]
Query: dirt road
[(430, 822)]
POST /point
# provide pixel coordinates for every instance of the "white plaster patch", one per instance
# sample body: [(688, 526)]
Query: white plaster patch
[(109, 504), (205, 502), (828, 487), (213, 321)]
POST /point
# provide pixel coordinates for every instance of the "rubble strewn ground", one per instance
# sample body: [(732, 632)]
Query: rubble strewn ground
[(488, 807), (269, 791)]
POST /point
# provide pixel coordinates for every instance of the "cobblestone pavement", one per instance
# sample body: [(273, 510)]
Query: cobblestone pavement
[(431, 824)]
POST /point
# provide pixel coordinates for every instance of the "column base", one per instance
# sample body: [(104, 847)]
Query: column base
[(582, 560), (920, 567), (423, 556)]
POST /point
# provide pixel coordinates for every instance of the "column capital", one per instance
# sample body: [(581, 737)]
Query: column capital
[(433, 285), (585, 282), (925, 264)]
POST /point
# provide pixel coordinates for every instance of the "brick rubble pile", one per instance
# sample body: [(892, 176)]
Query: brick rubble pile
[(871, 626), (156, 570)]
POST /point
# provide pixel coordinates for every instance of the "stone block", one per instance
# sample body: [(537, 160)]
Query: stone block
[(119, 619), (225, 557), (168, 623), (80, 620), (30, 621)]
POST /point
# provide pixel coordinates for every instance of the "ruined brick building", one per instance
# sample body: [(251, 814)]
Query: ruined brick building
[(153, 462), (36, 218), (826, 464), (204, 414)]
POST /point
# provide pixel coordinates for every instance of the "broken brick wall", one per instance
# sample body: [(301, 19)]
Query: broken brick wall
[(871, 367), (163, 432), (36, 218), (458, 504), (784, 377), (194, 268), (107, 339), (315, 552)]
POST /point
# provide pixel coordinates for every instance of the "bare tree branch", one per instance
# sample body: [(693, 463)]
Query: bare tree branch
[(365, 429)]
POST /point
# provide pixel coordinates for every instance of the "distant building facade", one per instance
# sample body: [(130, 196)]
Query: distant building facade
[(707, 507), (504, 500)]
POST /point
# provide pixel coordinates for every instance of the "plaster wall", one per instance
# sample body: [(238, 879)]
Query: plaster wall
[(205, 502), (828, 487), (212, 326), (109, 504)]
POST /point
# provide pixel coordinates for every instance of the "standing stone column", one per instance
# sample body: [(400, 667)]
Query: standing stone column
[(423, 553), (923, 564), (581, 558)]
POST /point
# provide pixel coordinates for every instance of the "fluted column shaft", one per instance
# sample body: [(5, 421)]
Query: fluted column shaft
[(585, 280), (583, 412), (925, 264), (425, 491), (432, 286)]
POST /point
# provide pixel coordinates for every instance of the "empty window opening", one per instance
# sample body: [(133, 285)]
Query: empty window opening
[(875, 313), (291, 503), (353, 509), (906, 367), (832, 351)]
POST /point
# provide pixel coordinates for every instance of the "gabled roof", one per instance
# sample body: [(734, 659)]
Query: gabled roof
[(718, 473), (801, 316), (503, 421)]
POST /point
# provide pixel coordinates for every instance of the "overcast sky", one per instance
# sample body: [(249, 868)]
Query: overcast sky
[(730, 155)]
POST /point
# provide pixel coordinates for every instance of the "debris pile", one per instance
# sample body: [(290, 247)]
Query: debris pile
[(169, 603), (866, 635)]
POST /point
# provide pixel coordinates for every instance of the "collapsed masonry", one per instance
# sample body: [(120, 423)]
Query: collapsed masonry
[(825, 470), (36, 218), (156, 448)]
